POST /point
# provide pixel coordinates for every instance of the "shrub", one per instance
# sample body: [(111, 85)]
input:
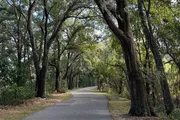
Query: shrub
[(14, 94), (175, 114), (125, 94)]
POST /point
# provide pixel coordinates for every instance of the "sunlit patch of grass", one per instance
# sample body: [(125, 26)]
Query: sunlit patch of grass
[(119, 107), (99, 92), (30, 106), (116, 104)]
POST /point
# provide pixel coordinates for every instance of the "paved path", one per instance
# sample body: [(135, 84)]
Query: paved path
[(84, 105)]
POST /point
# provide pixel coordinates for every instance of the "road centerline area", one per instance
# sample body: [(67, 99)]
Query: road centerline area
[(84, 105)]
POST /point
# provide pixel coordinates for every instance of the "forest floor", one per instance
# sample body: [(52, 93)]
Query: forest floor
[(16, 112), (119, 108)]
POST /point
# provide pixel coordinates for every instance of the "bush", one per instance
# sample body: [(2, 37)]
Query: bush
[(175, 114), (13, 94), (125, 94)]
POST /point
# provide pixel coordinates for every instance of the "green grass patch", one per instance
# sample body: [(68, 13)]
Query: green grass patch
[(119, 107), (116, 104)]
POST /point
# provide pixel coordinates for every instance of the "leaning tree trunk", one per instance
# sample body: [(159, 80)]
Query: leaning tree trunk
[(139, 102), (158, 60)]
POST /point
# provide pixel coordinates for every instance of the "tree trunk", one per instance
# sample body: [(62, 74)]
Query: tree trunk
[(70, 80), (178, 65), (120, 87), (70, 83), (139, 102), (41, 86), (19, 54), (98, 85), (158, 60), (57, 85)]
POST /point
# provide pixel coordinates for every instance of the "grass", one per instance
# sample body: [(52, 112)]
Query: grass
[(30, 106), (119, 107)]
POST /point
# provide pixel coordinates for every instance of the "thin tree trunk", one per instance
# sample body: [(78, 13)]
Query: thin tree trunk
[(70, 80), (120, 87), (19, 50), (31, 36), (99, 85), (57, 85)]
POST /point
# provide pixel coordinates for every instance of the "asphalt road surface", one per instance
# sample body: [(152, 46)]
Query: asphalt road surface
[(84, 105)]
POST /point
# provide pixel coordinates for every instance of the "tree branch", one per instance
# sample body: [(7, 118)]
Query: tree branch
[(106, 13)]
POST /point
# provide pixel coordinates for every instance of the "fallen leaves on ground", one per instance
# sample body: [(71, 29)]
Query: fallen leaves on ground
[(16, 112)]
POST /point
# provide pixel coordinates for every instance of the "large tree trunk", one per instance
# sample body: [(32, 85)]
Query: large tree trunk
[(158, 60), (41, 86), (139, 102)]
